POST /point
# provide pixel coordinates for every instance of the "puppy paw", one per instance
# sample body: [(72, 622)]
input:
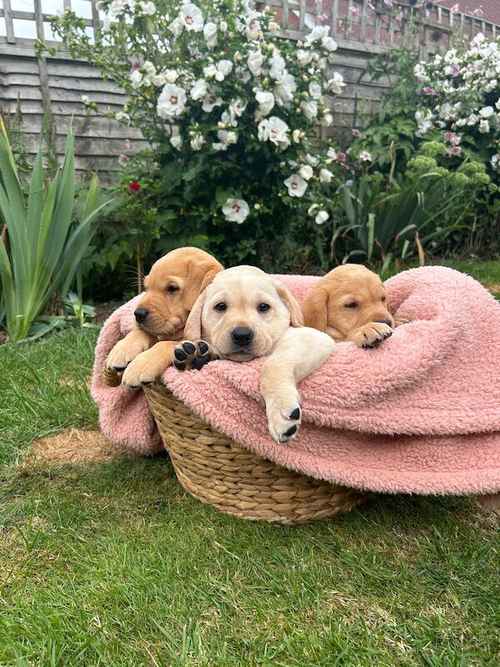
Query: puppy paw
[(125, 351), (371, 335), (283, 417), (144, 369), (193, 355)]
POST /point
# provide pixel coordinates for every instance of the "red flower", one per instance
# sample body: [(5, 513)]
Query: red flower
[(134, 186)]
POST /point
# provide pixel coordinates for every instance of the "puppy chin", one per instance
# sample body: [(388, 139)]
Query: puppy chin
[(240, 356), (165, 330)]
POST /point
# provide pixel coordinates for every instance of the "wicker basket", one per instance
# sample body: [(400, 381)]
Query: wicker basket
[(218, 471)]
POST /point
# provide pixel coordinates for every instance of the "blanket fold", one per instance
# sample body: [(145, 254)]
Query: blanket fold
[(420, 414)]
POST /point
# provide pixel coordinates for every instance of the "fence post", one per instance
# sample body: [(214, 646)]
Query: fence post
[(44, 88), (9, 22)]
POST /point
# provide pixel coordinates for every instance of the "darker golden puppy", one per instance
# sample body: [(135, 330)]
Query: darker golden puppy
[(171, 288), (349, 303)]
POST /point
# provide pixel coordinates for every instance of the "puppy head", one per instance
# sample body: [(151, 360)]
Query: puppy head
[(171, 288), (243, 313), (345, 299)]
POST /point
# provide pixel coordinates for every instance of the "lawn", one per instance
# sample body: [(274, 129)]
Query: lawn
[(109, 562)]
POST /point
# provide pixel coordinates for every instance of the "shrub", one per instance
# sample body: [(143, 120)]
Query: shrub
[(446, 110), (232, 110)]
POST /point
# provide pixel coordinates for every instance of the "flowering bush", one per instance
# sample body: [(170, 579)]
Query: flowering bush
[(232, 108), (433, 119), (460, 95)]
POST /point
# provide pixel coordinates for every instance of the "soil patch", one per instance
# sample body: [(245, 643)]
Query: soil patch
[(74, 446)]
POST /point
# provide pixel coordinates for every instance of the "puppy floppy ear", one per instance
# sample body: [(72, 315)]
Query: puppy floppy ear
[(296, 318), (192, 328), (210, 275), (315, 309), (199, 276)]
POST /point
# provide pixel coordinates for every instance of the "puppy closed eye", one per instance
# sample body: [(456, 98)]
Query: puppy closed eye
[(172, 288), (383, 299), (263, 307), (351, 304)]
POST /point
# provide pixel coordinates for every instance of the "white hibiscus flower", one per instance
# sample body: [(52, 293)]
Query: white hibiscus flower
[(209, 71), (336, 84), (329, 44), (306, 172), (317, 33), (315, 90), (175, 137), (210, 34), (255, 61), (304, 57), (321, 217), (365, 156), (136, 78), (210, 102), (325, 176), (171, 75), (177, 26), (310, 109), (191, 17), (147, 8), (278, 66), (172, 101), (197, 141), (236, 210), (296, 185), (297, 136), (199, 89), (487, 112), (265, 101), (223, 68), (285, 89), (274, 130)]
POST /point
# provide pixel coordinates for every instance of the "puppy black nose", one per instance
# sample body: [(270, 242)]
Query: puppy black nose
[(388, 322), (141, 314), (242, 336)]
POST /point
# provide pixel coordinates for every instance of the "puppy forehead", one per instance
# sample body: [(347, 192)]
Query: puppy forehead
[(243, 282)]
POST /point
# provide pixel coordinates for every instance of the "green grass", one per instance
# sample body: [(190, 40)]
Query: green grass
[(113, 564)]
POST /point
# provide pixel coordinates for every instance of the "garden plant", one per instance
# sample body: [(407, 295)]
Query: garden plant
[(46, 237)]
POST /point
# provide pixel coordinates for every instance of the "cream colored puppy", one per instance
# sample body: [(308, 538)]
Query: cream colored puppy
[(244, 314)]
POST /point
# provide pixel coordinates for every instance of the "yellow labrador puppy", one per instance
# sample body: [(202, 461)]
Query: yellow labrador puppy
[(243, 314), (172, 286), (349, 303)]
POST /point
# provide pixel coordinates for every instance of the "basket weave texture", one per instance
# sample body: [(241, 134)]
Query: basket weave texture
[(220, 472)]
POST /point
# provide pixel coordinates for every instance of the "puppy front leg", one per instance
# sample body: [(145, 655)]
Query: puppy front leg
[(371, 334), (149, 365), (300, 352), (127, 349)]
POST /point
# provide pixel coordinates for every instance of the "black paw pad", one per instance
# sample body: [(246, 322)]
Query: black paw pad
[(188, 347), (199, 362), (202, 347), (290, 432), (180, 365), (294, 414), (179, 354), (119, 369)]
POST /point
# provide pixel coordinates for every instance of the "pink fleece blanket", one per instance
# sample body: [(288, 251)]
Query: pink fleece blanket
[(420, 414)]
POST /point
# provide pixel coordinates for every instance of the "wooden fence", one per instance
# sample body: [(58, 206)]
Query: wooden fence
[(39, 87)]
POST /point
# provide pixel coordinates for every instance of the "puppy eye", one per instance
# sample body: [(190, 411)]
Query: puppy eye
[(351, 304), (220, 307), (383, 299), (263, 307), (172, 288)]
